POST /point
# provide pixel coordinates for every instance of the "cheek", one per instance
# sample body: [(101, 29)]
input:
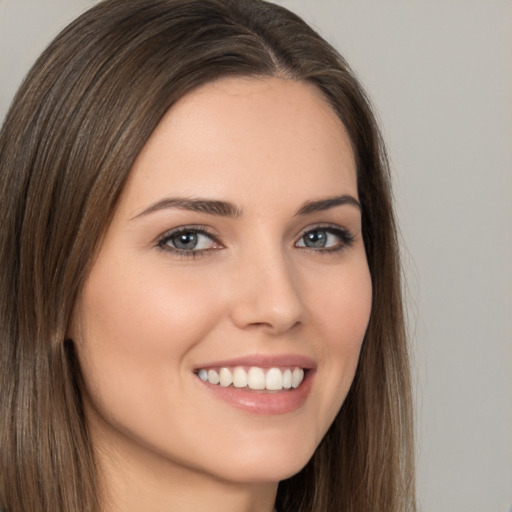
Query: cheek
[(135, 331), (342, 313), (134, 336), (146, 312), (343, 307)]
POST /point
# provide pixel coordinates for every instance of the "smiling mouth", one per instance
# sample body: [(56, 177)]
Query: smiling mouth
[(253, 378)]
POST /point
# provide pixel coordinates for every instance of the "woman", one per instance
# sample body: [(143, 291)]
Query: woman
[(200, 283)]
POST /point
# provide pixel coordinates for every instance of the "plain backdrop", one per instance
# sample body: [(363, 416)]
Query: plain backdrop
[(440, 76)]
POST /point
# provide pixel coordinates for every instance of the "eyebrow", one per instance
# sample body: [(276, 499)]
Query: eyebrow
[(227, 209), (209, 206), (328, 203)]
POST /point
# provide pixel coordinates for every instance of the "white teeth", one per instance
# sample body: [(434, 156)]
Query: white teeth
[(225, 377), (239, 378), (287, 379), (273, 379), (256, 378), (213, 377), (297, 377)]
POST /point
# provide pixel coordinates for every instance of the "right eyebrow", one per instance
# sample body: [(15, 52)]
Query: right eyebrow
[(203, 205)]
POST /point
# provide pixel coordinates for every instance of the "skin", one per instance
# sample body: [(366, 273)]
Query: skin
[(148, 315)]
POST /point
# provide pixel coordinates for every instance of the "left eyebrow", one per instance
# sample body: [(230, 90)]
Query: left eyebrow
[(328, 203)]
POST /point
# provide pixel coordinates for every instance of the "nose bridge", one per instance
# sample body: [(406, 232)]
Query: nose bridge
[(268, 290)]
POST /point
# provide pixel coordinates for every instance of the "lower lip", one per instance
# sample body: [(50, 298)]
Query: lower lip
[(264, 403)]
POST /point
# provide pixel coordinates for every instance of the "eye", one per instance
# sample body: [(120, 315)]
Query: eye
[(329, 238), (187, 240)]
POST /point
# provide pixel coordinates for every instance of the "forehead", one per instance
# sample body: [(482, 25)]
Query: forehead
[(266, 135)]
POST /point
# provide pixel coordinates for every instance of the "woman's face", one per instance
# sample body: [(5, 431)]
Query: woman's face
[(235, 252)]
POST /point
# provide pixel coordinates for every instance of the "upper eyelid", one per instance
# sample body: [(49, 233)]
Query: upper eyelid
[(199, 229), (326, 226)]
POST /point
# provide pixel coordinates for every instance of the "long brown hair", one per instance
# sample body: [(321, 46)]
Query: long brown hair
[(67, 145)]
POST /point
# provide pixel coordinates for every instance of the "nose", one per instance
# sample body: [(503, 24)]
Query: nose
[(267, 294)]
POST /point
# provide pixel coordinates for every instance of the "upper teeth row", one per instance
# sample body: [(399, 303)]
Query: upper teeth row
[(273, 380)]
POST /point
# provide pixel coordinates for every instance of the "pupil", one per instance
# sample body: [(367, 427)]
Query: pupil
[(185, 240), (316, 239)]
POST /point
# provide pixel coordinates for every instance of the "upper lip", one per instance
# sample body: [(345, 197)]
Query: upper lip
[(264, 361)]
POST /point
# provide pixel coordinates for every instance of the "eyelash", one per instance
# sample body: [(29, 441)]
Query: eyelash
[(345, 236), (186, 253)]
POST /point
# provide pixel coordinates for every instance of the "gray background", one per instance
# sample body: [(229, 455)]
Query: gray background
[(440, 74)]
